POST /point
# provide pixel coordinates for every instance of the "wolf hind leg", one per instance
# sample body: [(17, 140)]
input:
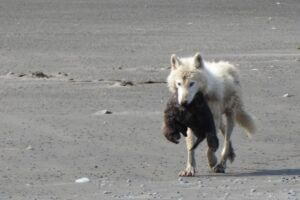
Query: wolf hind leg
[(191, 162), (213, 144), (231, 154), (228, 152), (211, 157)]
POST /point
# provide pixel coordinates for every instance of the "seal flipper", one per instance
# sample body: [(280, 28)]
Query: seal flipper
[(212, 142), (200, 138)]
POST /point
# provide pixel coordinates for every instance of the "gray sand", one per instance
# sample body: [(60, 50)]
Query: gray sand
[(93, 114)]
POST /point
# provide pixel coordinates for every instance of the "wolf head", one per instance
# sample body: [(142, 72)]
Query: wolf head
[(187, 77)]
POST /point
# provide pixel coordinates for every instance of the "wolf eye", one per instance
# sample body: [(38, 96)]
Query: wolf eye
[(179, 84), (191, 84)]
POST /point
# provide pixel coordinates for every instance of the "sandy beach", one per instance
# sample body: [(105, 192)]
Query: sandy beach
[(82, 93)]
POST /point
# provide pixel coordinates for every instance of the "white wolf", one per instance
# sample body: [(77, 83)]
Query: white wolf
[(219, 83)]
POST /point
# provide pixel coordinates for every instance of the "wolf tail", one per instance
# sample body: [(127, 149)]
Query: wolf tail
[(246, 121)]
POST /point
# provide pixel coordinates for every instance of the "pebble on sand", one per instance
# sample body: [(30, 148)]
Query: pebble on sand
[(103, 112), (287, 95), (29, 148), (39, 74), (125, 83), (82, 180), (10, 74), (292, 192)]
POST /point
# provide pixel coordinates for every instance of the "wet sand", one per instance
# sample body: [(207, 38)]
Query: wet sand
[(113, 56)]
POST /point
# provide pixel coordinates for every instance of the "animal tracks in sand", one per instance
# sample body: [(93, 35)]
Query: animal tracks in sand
[(37, 75), (65, 77), (128, 113)]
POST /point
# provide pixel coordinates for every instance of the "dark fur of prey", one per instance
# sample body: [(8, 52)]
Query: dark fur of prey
[(196, 116)]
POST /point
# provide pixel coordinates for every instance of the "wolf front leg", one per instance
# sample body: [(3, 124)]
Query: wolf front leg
[(191, 162)]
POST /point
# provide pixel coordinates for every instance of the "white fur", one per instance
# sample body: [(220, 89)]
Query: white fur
[(219, 82)]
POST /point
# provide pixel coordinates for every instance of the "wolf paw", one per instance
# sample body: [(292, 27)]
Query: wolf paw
[(189, 171), (219, 169)]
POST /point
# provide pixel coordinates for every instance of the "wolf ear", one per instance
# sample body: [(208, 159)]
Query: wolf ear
[(175, 62), (198, 61)]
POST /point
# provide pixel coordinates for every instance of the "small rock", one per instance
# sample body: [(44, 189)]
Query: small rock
[(180, 179), (237, 181), (21, 75), (107, 192), (292, 192), (103, 112), (287, 95), (62, 73), (253, 190), (107, 112), (128, 181), (10, 74), (125, 83), (185, 181), (39, 75), (82, 180), (254, 69), (29, 148), (277, 3)]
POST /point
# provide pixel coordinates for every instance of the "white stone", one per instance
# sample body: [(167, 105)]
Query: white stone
[(82, 180), (287, 95), (29, 148)]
